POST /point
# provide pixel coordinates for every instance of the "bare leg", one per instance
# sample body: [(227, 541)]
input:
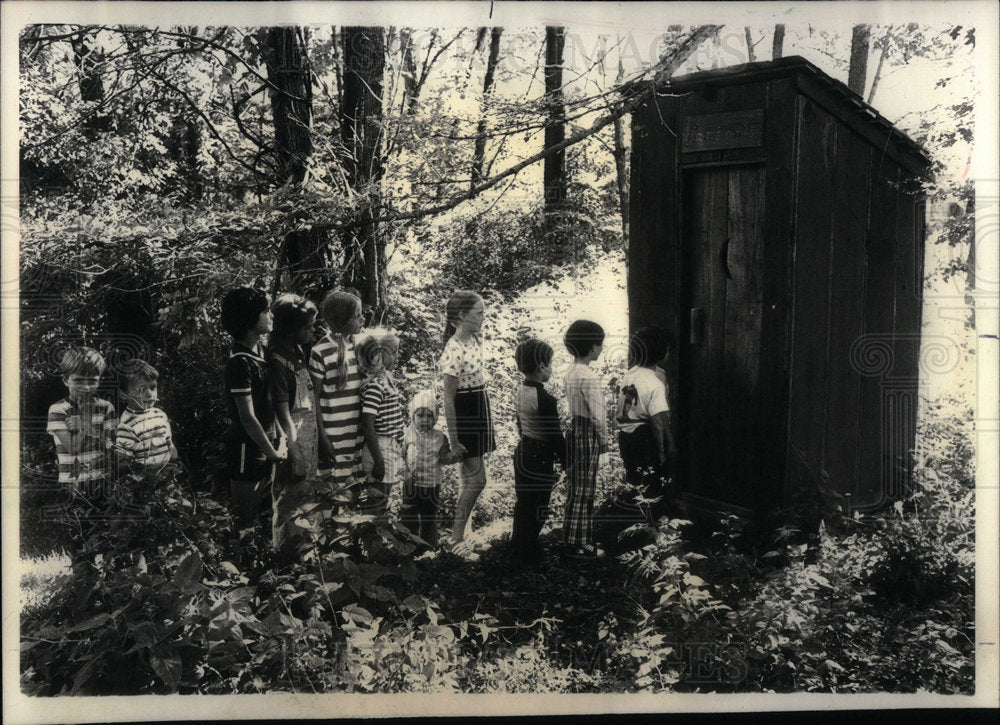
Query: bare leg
[(472, 483)]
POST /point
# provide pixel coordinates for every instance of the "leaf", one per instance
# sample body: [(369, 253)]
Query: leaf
[(93, 623), (357, 614), (189, 572), (168, 668), (945, 647)]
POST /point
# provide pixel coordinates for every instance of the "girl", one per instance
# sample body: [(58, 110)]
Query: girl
[(426, 450), (466, 406), (333, 367), (250, 447), (382, 416), (292, 396)]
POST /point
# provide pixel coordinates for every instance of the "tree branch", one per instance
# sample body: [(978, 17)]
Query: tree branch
[(635, 94)]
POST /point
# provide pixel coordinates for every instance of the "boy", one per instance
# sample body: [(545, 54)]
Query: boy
[(82, 425), (250, 451), (144, 438), (587, 439), (643, 413), (541, 444)]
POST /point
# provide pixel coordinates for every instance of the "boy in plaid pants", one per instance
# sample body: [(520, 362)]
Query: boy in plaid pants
[(587, 438)]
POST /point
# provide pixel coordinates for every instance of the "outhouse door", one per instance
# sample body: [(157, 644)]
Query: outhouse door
[(720, 413)]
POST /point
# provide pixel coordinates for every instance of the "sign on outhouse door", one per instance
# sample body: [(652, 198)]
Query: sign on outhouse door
[(720, 416)]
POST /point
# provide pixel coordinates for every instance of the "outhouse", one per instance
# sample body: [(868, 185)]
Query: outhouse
[(777, 230)]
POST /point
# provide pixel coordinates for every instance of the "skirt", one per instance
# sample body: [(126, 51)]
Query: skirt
[(474, 422)]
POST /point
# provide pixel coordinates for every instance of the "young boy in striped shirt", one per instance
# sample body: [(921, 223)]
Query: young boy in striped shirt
[(383, 417), (82, 425), (144, 439)]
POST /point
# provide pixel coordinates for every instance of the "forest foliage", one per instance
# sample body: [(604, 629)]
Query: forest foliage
[(155, 176)]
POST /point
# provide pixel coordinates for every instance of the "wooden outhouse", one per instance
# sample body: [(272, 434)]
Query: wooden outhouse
[(777, 230)]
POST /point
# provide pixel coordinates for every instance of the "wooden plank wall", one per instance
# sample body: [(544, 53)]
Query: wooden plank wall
[(875, 359), (815, 177), (847, 280), (780, 148)]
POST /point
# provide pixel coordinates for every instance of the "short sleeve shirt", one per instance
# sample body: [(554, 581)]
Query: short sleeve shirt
[(463, 360), (91, 462), (642, 396), (382, 400), (422, 452), (288, 377), (246, 374), (145, 436)]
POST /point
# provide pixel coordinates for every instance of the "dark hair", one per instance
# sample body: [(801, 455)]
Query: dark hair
[(532, 354), (241, 307), (582, 336), (291, 312), (648, 345), (460, 302), (136, 369), (82, 361)]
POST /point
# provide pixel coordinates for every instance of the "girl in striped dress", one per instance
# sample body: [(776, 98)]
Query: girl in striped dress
[(333, 367)]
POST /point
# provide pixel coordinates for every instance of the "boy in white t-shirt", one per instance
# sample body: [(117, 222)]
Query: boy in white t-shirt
[(643, 414)]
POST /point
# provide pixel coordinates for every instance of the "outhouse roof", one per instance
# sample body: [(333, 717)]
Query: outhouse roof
[(828, 92)]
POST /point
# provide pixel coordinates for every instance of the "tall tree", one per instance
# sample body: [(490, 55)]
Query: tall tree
[(751, 56), (361, 134), (554, 171), (778, 42), (479, 153), (857, 76), (621, 172), (89, 61), (290, 89)]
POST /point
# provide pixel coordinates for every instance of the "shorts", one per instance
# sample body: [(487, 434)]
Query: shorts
[(245, 462), (474, 422)]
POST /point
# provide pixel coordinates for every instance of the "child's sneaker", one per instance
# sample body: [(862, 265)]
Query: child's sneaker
[(463, 550), (588, 551)]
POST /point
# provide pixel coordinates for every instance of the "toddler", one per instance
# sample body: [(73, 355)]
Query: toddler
[(425, 449)]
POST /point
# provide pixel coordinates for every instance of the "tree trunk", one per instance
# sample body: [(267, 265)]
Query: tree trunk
[(411, 84), (857, 75), (289, 74), (750, 54), (88, 61), (554, 171), (479, 153), (291, 100), (621, 172), (185, 145), (778, 42), (878, 68), (361, 133)]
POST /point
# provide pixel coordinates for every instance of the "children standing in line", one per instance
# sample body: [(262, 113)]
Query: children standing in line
[(251, 449), (643, 414), (383, 416), (143, 439), (82, 425), (425, 449), (292, 394), (541, 444), (466, 406), (336, 378), (587, 439)]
